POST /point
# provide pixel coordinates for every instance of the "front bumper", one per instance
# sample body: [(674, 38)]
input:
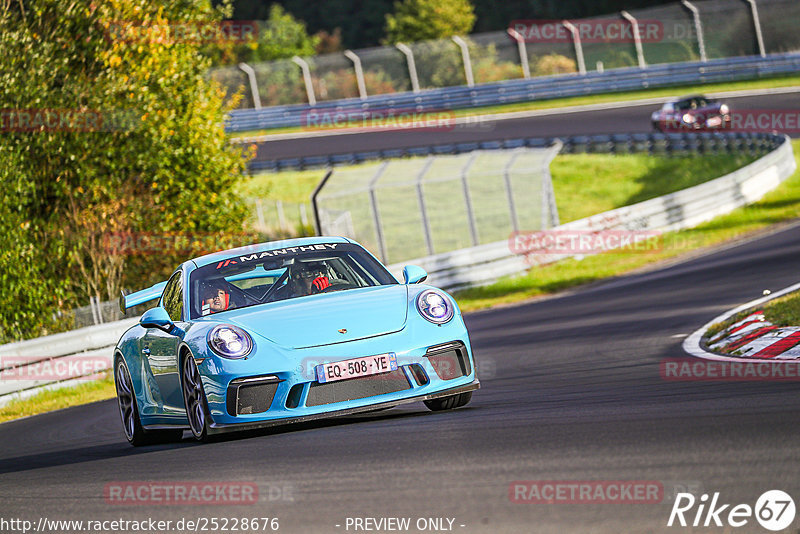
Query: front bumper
[(295, 395), (218, 428)]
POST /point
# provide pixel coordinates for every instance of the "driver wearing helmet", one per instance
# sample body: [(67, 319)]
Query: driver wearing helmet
[(215, 299), (309, 279)]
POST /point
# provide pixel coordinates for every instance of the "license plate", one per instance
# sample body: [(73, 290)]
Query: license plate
[(715, 121), (366, 366)]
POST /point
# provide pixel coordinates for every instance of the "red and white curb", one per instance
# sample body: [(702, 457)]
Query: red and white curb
[(753, 338)]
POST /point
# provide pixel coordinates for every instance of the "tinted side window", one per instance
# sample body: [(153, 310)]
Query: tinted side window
[(172, 299)]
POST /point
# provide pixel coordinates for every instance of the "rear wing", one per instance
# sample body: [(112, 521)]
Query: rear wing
[(140, 297)]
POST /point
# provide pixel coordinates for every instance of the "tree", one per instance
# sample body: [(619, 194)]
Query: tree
[(110, 126), (361, 21), (280, 36), (419, 20)]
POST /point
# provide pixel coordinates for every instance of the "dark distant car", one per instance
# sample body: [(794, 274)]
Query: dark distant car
[(692, 113)]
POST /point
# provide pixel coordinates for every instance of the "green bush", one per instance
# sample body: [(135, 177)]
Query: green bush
[(419, 20)]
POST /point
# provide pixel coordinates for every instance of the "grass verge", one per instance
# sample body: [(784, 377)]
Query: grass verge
[(784, 311), (47, 401), (627, 96), (778, 206)]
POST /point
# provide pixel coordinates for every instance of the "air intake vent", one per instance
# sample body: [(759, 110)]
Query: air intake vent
[(357, 388), (249, 395), (449, 361)]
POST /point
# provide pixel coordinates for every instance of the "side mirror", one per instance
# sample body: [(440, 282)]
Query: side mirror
[(413, 274), (157, 318)]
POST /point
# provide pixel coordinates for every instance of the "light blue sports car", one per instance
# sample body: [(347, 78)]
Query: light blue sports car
[(284, 332)]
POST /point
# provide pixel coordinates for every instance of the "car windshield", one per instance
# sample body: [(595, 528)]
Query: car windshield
[(279, 274), (695, 103)]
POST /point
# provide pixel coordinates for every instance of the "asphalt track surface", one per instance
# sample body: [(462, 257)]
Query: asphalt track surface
[(572, 390), (632, 119)]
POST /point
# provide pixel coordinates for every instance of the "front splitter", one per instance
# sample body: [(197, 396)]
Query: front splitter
[(216, 428)]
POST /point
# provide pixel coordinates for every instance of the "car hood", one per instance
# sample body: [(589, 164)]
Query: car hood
[(319, 319)]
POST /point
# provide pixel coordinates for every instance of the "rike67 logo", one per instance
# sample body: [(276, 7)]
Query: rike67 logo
[(774, 510)]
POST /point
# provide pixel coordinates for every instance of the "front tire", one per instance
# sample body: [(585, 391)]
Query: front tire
[(449, 403), (194, 399), (129, 412)]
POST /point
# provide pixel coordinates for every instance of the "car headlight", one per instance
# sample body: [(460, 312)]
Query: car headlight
[(230, 341), (435, 307), (688, 118), (724, 109)]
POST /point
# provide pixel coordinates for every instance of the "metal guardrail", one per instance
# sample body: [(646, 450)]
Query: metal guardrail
[(675, 211), (654, 143), (543, 88), (27, 367)]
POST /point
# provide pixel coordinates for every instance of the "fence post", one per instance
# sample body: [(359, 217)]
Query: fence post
[(314, 205), (576, 40), (473, 228), (362, 86), (251, 76), (95, 311), (99, 309), (260, 214), (303, 215), (426, 228), (412, 66), (462, 44), (512, 209), (637, 38), (523, 52), (698, 26), (281, 215), (549, 208), (91, 307), (757, 25), (303, 64), (376, 218)]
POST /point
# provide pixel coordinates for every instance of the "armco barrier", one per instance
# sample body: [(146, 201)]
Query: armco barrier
[(540, 88), (486, 263), (95, 343), (653, 143), (683, 209)]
